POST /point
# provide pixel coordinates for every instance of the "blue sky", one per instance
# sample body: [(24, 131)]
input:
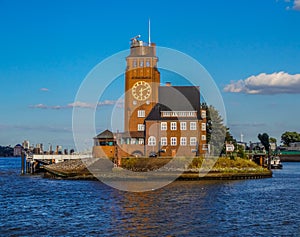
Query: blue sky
[(251, 49)]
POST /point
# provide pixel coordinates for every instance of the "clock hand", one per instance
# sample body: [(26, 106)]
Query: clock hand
[(143, 89)]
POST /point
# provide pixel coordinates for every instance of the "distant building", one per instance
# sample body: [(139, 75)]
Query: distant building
[(294, 146), (18, 150), (159, 120), (26, 144)]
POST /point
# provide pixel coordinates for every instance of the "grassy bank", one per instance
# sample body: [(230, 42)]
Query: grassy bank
[(222, 164)]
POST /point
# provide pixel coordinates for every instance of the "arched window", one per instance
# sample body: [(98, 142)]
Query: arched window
[(151, 141)]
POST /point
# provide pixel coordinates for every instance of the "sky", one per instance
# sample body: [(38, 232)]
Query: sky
[(251, 48)]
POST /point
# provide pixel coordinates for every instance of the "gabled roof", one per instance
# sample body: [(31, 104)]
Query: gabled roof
[(105, 135), (176, 98), (180, 98)]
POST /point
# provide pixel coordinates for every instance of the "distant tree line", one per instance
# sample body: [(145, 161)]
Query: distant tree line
[(288, 137), (6, 151)]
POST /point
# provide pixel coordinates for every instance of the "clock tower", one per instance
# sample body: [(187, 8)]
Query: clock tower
[(142, 80)]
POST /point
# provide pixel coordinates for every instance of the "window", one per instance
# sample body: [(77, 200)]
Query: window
[(141, 141), (163, 126), (141, 63), (151, 141), (203, 114), (203, 137), (141, 127), (182, 126), (133, 141), (205, 147), (193, 141), (193, 126), (148, 63), (173, 141), (183, 141), (173, 126), (203, 126), (163, 141), (134, 63), (141, 113)]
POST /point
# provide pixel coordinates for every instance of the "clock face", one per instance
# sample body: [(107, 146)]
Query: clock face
[(141, 90)]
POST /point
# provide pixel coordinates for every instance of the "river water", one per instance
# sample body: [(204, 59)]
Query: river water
[(34, 206)]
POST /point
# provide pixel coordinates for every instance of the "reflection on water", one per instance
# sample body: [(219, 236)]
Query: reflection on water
[(40, 207)]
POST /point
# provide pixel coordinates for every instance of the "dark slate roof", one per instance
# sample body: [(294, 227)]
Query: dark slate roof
[(105, 135), (180, 98), (176, 98)]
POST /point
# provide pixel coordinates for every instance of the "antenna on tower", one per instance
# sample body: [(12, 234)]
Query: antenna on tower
[(149, 33)]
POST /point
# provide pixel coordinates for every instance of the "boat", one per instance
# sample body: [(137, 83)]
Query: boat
[(276, 162)]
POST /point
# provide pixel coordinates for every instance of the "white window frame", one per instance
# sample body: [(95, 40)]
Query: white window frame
[(205, 147), (203, 126), (203, 137), (141, 127), (134, 63), (183, 141), (163, 141), (193, 141), (193, 126), (203, 114), (141, 63), (173, 126), (163, 126), (151, 141), (141, 113), (141, 141), (148, 64), (173, 141), (182, 126)]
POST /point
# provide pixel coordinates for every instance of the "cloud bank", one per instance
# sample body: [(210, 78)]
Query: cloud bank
[(275, 83), (80, 104)]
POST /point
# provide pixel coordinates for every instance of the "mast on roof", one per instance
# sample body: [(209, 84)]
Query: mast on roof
[(149, 33)]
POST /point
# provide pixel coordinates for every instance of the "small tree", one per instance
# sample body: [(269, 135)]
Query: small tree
[(273, 140), (264, 139), (241, 151), (216, 132)]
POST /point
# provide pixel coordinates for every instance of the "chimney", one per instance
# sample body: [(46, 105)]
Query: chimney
[(168, 83)]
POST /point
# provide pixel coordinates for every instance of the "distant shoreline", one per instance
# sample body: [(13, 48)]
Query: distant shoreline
[(290, 158)]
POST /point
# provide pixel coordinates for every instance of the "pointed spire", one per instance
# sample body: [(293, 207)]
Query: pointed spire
[(149, 33)]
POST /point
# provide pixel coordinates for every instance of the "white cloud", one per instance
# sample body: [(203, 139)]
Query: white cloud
[(78, 104), (38, 106), (296, 5), (293, 5), (275, 83), (44, 89)]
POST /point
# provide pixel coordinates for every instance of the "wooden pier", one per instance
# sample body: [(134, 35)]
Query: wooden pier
[(32, 163)]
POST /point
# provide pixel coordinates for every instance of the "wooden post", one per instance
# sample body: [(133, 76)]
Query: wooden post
[(27, 167), (22, 163)]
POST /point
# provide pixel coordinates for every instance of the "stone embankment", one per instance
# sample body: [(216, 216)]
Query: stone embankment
[(222, 169)]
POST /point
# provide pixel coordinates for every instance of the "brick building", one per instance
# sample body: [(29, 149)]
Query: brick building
[(158, 120)]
